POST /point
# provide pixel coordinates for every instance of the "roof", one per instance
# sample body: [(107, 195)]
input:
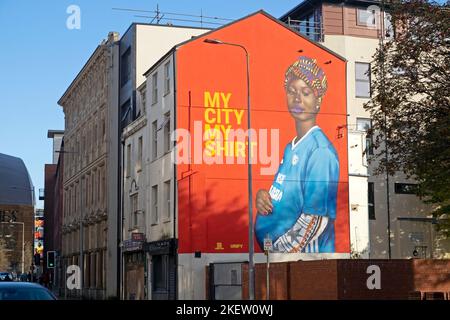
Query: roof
[(52, 133), (20, 284), (16, 187), (281, 23)]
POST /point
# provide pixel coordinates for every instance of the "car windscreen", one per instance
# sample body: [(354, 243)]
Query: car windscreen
[(24, 294)]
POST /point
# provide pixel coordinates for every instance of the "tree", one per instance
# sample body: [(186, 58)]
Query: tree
[(410, 103)]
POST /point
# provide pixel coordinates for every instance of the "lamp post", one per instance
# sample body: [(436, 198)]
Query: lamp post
[(23, 241), (251, 268)]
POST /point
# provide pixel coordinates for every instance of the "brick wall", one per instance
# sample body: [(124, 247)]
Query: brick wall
[(396, 279), (313, 280), (347, 279), (23, 214)]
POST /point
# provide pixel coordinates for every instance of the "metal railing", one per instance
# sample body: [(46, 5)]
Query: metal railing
[(311, 29)]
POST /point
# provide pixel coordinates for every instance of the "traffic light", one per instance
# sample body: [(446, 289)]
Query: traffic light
[(51, 257)]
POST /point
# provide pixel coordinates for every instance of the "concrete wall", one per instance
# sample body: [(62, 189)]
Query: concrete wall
[(160, 169), (356, 50), (405, 235), (153, 41), (358, 196)]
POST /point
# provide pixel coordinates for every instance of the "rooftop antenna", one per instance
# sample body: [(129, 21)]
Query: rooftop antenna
[(159, 16)]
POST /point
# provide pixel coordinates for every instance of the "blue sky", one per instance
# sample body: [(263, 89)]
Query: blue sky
[(40, 57)]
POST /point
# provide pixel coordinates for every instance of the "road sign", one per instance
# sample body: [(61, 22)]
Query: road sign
[(267, 244)]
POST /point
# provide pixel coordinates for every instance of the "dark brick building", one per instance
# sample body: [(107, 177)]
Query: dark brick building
[(16, 215)]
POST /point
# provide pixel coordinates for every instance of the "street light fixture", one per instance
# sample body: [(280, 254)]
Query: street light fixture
[(251, 269)]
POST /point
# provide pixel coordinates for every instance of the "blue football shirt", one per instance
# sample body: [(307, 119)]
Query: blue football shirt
[(306, 182)]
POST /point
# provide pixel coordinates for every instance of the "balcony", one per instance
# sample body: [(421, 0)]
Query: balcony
[(309, 28)]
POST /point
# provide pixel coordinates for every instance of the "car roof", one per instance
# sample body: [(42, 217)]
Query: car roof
[(12, 284)]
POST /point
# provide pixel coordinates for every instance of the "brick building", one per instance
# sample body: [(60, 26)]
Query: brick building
[(16, 215)]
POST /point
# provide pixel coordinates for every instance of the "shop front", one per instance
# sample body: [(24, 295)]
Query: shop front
[(134, 264), (161, 257)]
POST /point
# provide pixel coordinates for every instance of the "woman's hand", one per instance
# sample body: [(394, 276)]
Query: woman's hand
[(263, 202)]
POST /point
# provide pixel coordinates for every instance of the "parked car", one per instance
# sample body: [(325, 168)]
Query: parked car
[(6, 276), (24, 291)]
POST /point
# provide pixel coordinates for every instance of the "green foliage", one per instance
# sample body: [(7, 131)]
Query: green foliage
[(410, 105)]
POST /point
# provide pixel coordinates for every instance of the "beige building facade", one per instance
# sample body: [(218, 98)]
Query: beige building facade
[(88, 159), (146, 167)]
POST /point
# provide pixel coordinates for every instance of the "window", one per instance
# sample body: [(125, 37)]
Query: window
[(143, 98), (103, 129), (406, 188), (133, 210), (167, 78), (362, 80), (92, 181), (125, 67), (366, 17), (103, 188), (365, 124), (155, 88), (139, 159), (86, 187), (154, 139), (167, 200), (128, 170), (99, 183), (160, 275), (167, 142), (126, 114), (83, 147), (95, 144), (371, 201), (155, 204), (389, 31)]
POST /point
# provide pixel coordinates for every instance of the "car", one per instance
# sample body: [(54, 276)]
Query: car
[(24, 291), (6, 276)]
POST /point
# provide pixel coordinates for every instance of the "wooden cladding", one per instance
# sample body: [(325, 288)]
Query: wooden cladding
[(340, 20)]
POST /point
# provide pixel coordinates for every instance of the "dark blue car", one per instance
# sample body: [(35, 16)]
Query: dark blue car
[(24, 291)]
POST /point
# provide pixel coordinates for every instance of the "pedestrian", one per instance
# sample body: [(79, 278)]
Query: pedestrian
[(46, 279)]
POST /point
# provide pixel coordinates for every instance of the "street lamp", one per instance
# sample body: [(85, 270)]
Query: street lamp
[(23, 241), (251, 268)]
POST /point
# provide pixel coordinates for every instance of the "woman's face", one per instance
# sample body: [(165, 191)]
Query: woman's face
[(302, 103)]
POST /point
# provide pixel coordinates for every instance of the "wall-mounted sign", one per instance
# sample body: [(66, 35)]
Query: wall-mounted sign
[(8, 215), (137, 236)]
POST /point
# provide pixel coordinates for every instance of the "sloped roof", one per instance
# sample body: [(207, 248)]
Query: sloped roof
[(16, 187), (259, 12)]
